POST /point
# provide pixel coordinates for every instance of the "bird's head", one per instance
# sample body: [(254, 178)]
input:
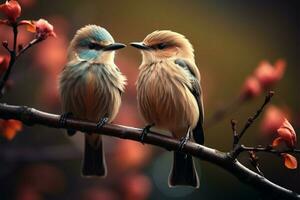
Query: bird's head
[(164, 44), (93, 43)]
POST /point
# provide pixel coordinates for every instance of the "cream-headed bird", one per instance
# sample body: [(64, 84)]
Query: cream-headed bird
[(90, 87), (170, 96)]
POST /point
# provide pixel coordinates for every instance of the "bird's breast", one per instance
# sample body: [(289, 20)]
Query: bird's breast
[(88, 91), (164, 97)]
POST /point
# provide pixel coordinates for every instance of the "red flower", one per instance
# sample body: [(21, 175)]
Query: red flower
[(264, 77), (290, 161), (268, 75), (42, 28), (9, 128), (286, 134), (11, 9), (251, 88), (4, 60), (272, 120)]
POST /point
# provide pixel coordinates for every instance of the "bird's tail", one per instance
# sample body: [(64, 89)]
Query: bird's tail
[(183, 171), (93, 160)]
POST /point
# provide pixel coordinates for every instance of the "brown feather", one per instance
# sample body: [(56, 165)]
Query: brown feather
[(165, 99)]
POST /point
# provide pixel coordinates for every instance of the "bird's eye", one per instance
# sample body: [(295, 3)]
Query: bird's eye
[(161, 46), (92, 45)]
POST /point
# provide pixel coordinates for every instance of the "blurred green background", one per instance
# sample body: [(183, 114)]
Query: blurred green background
[(230, 38)]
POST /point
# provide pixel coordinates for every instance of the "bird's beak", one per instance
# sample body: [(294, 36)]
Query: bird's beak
[(114, 46), (140, 45)]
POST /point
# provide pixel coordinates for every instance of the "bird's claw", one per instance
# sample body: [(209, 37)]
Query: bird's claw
[(102, 122), (63, 121), (183, 141), (145, 131)]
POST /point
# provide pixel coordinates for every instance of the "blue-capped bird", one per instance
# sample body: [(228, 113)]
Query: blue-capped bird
[(170, 96), (91, 86)]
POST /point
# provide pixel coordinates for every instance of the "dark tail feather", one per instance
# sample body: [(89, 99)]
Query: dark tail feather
[(183, 171), (71, 132), (198, 133), (93, 160)]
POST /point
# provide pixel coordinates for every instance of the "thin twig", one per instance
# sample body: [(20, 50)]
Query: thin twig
[(5, 45), (32, 116), (15, 31), (14, 55), (254, 160), (7, 72), (234, 131), (222, 112), (30, 44), (268, 149), (254, 117), (12, 60)]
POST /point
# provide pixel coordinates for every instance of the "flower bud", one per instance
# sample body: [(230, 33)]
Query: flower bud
[(251, 88), (11, 9), (42, 28)]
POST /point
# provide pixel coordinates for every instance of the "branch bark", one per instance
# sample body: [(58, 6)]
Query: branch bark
[(31, 116)]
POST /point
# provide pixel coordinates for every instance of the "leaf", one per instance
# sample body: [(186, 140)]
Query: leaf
[(31, 28), (10, 128), (276, 142), (9, 133), (287, 133), (290, 161), (30, 25)]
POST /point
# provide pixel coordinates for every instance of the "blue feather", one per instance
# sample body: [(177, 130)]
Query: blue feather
[(95, 33), (88, 54), (101, 34)]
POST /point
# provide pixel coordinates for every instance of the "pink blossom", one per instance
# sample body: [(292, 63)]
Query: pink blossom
[(42, 28), (290, 161), (11, 9), (269, 75), (251, 88), (273, 118), (286, 134)]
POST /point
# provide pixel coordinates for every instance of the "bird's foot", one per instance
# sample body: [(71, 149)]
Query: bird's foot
[(102, 122), (63, 118), (145, 131), (183, 141), (63, 121)]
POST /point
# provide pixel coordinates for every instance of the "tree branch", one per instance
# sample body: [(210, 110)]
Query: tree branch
[(31, 116), (267, 149)]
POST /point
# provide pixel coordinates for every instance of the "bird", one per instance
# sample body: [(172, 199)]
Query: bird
[(170, 96), (91, 86)]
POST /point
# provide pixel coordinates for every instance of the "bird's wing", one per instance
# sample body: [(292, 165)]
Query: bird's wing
[(196, 90), (74, 62), (113, 75)]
